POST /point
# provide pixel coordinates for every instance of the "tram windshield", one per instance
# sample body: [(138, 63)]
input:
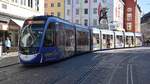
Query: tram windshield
[(30, 38)]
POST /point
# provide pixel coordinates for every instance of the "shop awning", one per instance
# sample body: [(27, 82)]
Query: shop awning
[(10, 24), (4, 20), (13, 26), (19, 22)]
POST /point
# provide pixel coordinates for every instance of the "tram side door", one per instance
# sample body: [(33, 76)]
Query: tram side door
[(49, 47)]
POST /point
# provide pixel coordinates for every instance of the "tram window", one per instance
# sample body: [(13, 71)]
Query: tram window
[(69, 34), (104, 36), (96, 36), (50, 35), (82, 38), (111, 36), (127, 40), (132, 40), (121, 38), (118, 37)]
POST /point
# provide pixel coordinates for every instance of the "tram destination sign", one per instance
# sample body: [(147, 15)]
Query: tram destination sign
[(35, 22)]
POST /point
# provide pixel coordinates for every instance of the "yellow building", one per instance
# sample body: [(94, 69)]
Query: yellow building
[(54, 7)]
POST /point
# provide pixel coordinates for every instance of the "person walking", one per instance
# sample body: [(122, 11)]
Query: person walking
[(7, 44)]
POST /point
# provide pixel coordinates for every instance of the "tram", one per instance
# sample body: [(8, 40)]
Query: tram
[(48, 38)]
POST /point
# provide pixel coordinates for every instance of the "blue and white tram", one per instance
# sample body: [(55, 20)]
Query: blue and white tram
[(119, 39), (48, 38), (45, 38)]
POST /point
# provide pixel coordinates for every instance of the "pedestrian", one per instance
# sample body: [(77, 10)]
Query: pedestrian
[(7, 44)]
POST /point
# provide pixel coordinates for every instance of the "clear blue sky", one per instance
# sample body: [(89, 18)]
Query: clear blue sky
[(145, 6)]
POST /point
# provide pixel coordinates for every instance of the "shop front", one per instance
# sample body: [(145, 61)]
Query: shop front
[(9, 28)]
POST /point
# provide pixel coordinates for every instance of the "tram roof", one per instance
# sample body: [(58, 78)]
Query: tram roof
[(138, 34), (57, 19), (103, 31), (119, 32), (129, 33), (78, 25)]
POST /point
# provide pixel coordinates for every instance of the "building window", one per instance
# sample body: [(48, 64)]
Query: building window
[(58, 14), (12, 0), (52, 4), (86, 22), (77, 1), (68, 2), (77, 21), (52, 13), (58, 4), (77, 11), (68, 12), (16, 1), (95, 11), (129, 26), (129, 17), (95, 22), (95, 1), (45, 13), (129, 9), (30, 3), (85, 11), (21, 2), (85, 1), (24, 2), (45, 5), (4, 6), (37, 5)]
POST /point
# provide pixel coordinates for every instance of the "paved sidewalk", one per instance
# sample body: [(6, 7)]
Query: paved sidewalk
[(8, 59)]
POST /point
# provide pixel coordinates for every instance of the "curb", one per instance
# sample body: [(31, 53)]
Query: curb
[(8, 61)]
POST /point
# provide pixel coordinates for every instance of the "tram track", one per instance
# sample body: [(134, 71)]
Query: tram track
[(83, 74)]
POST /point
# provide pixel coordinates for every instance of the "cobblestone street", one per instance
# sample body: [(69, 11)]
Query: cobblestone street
[(118, 66)]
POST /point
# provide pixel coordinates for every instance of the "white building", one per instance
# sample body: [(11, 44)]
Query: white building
[(115, 14), (14, 12), (84, 12), (68, 10), (18, 10)]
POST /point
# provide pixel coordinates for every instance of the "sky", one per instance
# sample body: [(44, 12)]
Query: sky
[(145, 6)]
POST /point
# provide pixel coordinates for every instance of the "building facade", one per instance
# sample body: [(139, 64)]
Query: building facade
[(145, 26), (132, 16), (84, 12), (138, 19), (115, 14), (54, 7), (13, 13)]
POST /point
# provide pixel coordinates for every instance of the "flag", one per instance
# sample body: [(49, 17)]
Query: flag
[(99, 9)]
